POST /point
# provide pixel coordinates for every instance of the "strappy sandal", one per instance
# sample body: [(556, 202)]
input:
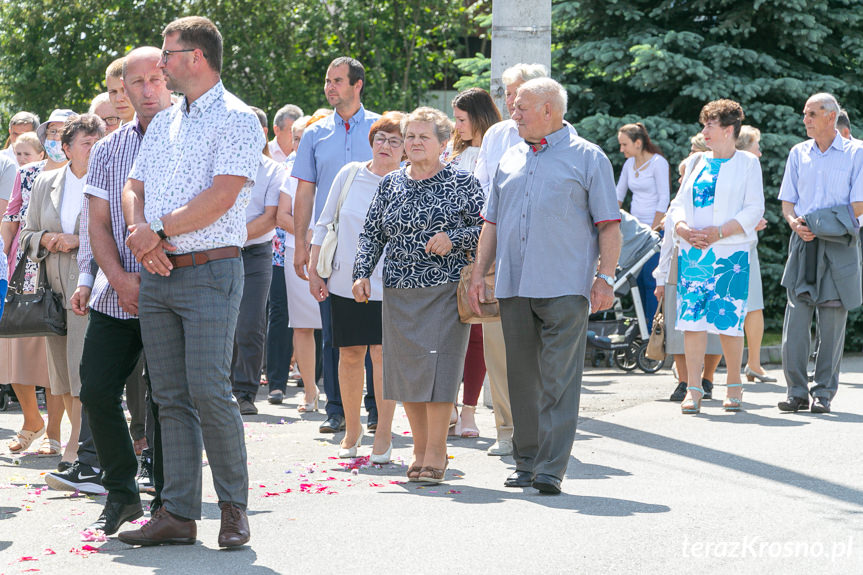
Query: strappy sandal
[(733, 403), (436, 475), (308, 407), (49, 448), (692, 406), (414, 469), (24, 438)]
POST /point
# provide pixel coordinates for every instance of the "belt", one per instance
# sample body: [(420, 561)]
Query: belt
[(200, 258)]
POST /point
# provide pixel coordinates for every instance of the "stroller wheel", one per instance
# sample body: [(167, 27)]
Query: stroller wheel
[(626, 358), (646, 364)]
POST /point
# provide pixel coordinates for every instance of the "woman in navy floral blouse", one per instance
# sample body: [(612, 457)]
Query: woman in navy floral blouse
[(426, 215)]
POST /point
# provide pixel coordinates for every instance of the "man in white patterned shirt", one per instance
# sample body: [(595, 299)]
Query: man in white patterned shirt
[(112, 345), (185, 206)]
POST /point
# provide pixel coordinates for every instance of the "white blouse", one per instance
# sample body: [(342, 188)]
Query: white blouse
[(649, 185), (70, 205), (352, 217)]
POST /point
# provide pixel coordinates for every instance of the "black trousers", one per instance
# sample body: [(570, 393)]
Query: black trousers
[(112, 348)]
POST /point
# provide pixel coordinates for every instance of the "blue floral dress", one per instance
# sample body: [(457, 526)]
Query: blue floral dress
[(712, 284)]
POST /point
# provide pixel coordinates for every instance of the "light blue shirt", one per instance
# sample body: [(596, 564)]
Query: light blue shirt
[(546, 204), (814, 179), (327, 146)]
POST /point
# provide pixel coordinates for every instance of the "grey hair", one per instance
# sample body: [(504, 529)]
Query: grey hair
[(843, 120), (442, 124), (549, 90), (300, 123), (24, 118), (523, 73), (827, 102), (97, 101), (289, 112)]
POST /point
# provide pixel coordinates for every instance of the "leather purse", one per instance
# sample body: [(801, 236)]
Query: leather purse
[(331, 240), (490, 311), (32, 314), (656, 344)]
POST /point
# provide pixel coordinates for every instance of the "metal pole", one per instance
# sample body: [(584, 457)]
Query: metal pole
[(520, 34)]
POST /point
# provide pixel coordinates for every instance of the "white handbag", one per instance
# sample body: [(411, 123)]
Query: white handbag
[(331, 240)]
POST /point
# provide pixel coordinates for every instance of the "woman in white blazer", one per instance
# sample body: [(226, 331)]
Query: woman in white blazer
[(715, 214)]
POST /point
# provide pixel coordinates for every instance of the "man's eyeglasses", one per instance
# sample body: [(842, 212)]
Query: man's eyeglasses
[(111, 120), (166, 53), (380, 139)]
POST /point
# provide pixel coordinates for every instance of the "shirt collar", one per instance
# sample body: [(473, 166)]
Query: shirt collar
[(136, 126), (838, 143), (550, 140), (200, 105), (354, 120)]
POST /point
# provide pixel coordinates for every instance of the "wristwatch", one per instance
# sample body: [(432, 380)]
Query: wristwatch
[(607, 279), (158, 228)]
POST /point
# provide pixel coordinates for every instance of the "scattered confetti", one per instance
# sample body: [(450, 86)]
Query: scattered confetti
[(27, 558), (96, 535), (49, 552), (451, 492)]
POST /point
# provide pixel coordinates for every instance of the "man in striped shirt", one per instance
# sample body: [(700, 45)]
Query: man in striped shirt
[(113, 344)]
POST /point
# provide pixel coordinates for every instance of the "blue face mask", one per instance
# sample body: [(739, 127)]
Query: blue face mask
[(54, 149)]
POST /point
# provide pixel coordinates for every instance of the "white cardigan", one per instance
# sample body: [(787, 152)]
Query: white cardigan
[(739, 195)]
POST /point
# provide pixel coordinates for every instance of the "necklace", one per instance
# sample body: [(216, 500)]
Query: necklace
[(643, 166)]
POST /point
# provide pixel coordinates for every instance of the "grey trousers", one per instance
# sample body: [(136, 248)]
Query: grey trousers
[(187, 325), (795, 348), (545, 340), (251, 334)]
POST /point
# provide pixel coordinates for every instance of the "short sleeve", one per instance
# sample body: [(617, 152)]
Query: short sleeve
[(240, 154), (304, 164), (97, 174), (8, 169), (788, 190), (276, 181), (601, 197)]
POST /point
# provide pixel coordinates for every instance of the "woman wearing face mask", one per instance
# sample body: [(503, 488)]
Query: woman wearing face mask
[(50, 237), (23, 361)]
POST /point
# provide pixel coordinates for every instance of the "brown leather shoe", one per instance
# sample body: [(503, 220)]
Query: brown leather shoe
[(235, 526), (164, 528)]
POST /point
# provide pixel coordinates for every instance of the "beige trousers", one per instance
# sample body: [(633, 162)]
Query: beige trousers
[(495, 364)]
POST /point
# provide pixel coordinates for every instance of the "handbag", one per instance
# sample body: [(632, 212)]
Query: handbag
[(331, 240), (489, 311), (32, 314), (656, 344)]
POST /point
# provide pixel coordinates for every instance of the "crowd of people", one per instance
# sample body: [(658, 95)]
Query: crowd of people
[(192, 254)]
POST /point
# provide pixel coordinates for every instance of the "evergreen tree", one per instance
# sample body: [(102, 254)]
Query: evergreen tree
[(660, 62)]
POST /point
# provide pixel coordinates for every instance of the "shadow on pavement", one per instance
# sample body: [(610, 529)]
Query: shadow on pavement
[(727, 459), (186, 559)]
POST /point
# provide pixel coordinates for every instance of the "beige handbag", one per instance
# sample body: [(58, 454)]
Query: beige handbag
[(490, 310), (656, 344)]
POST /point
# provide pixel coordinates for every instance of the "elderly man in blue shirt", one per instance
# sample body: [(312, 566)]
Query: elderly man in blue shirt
[(326, 147), (551, 213), (823, 182)]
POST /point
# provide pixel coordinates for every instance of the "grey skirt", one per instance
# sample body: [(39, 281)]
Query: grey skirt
[(424, 344)]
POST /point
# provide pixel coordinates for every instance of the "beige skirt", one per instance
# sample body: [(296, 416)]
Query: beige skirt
[(24, 361)]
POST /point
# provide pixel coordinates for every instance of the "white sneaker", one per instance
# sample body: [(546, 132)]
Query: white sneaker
[(501, 448)]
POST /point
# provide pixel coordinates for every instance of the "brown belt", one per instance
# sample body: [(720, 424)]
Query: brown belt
[(200, 258)]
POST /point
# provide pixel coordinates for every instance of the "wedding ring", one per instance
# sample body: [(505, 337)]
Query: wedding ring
[(150, 261)]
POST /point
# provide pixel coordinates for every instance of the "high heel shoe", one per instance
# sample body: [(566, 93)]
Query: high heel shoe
[(351, 452), (692, 406), (752, 375), (382, 458), (308, 407), (733, 403)]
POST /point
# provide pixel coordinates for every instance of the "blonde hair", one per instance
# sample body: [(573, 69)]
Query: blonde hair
[(30, 139), (698, 143), (749, 135)]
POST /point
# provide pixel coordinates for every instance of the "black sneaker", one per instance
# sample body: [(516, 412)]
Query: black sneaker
[(707, 386), (80, 477), (679, 392), (145, 475)]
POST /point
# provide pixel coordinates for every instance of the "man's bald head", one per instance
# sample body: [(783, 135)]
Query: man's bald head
[(143, 54)]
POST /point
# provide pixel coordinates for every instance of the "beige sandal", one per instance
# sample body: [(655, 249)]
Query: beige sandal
[(24, 438), (49, 448), (435, 475)]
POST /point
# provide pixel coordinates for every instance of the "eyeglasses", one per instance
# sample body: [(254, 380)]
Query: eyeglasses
[(380, 139), (166, 53), (111, 120), (53, 133)]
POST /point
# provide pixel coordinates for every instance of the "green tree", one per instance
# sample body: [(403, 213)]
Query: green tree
[(55, 54), (660, 62)]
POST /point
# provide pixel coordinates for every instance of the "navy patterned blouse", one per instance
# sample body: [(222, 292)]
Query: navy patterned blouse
[(403, 217)]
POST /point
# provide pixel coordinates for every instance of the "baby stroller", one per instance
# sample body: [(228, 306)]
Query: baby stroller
[(625, 337)]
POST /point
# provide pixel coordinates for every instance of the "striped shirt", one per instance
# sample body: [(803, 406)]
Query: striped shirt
[(815, 180), (110, 162)]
